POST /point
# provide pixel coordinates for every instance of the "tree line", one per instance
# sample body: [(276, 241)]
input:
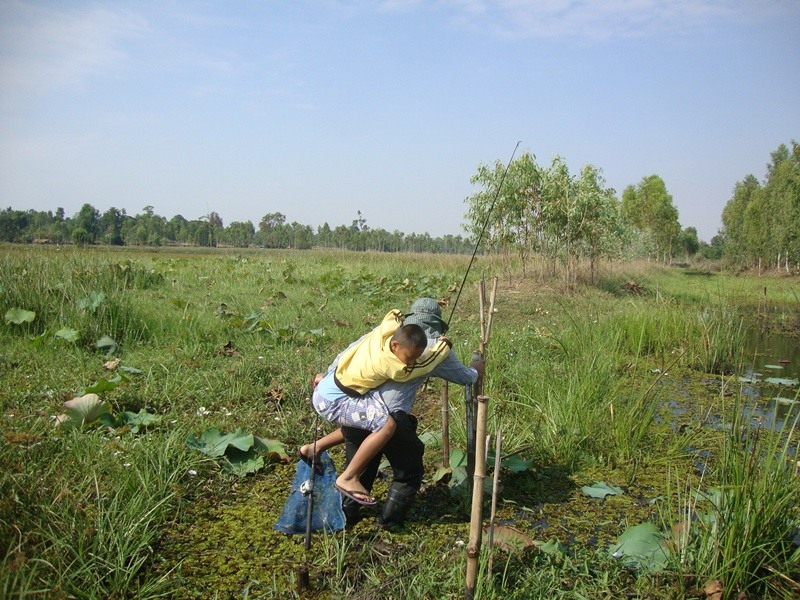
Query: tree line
[(115, 227), (761, 222), (541, 210)]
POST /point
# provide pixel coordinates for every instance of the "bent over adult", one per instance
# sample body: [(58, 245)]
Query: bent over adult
[(405, 449)]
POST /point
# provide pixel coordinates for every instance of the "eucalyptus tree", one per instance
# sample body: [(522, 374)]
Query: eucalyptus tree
[(649, 207), (690, 243), (762, 221), (596, 222), (782, 190), (509, 217), (736, 245)]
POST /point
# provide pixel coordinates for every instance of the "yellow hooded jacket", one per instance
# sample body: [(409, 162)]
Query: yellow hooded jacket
[(370, 362)]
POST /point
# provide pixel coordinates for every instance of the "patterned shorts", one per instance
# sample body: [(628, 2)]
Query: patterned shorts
[(365, 412)]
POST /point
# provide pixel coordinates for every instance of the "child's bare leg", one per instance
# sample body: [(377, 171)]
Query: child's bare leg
[(334, 438), (350, 478)]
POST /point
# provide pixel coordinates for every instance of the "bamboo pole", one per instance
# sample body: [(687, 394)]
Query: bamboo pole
[(495, 481), (477, 387), (446, 426), (491, 310), (476, 515)]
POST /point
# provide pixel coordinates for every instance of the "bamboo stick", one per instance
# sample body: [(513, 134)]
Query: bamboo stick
[(476, 515), (477, 388), (491, 309), (495, 480), (446, 426)]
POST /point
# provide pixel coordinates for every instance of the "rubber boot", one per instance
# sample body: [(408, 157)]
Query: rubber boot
[(352, 513), (398, 502)]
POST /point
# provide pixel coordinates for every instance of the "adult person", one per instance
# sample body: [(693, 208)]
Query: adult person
[(347, 395), (404, 450)]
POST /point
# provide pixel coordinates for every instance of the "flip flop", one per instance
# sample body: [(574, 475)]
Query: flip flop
[(357, 496), (318, 468)]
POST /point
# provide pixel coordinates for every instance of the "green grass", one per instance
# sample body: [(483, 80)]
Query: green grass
[(580, 381)]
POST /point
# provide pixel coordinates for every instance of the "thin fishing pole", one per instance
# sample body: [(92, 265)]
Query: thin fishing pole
[(483, 230)]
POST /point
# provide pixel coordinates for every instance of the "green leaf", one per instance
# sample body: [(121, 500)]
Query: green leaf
[(131, 370), (17, 316), (242, 463), (781, 381), (513, 463), (214, 443), (92, 301), (552, 546), (641, 547), (104, 385), (600, 489), (458, 477), (107, 344), (83, 410), (443, 475), (137, 421), (457, 458), (68, 334), (431, 439), (272, 448)]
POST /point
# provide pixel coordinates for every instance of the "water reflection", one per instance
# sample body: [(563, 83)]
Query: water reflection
[(771, 380)]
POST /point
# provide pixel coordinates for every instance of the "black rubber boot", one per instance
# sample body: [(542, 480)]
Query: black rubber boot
[(395, 509), (352, 513)]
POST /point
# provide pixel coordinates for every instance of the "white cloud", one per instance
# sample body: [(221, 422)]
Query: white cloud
[(607, 19), (45, 48)]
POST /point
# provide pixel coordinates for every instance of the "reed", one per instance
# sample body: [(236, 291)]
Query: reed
[(737, 528)]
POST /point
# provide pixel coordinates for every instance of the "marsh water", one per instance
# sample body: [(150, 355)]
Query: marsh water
[(770, 381)]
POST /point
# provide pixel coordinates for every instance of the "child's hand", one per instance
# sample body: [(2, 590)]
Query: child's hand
[(317, 378), (446, 340)]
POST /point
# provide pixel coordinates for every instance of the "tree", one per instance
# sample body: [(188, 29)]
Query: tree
[(87, 224), (733, 220), (239, 234), (650, 208), (689, 243), (110, 227)]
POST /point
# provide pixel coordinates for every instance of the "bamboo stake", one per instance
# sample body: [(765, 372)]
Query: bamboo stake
[(495, 480), (476, 516), (446, 426), (481, 302), (491, 309)]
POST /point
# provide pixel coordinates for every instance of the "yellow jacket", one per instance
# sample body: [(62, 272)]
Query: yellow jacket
[(369, 362)]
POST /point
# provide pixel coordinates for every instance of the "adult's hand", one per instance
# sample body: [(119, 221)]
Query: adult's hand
[(479, 364)]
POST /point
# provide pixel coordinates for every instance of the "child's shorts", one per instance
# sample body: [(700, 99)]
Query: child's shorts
[(365, 412)]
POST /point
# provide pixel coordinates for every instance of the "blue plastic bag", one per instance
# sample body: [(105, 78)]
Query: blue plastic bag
[(326, 512)]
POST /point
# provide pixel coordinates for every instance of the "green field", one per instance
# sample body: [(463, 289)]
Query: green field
[(619, 402)]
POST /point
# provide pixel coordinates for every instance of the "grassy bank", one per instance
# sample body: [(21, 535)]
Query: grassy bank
[(631, 382)]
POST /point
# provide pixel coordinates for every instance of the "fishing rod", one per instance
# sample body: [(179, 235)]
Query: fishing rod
[(483, 230)]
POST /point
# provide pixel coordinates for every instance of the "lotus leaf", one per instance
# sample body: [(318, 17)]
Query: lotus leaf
[(83, 410), (214, 443), (601, 489), (68, 334), (641, 547), (18, 316)]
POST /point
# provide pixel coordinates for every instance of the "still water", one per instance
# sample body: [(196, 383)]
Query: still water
[(770, 381)]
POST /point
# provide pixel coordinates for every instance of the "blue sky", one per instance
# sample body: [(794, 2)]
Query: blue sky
[(321, 109)]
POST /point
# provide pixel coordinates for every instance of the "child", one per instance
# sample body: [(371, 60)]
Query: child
[(346, 394)]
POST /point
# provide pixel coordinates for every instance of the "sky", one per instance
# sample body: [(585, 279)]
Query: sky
[(321, 109)]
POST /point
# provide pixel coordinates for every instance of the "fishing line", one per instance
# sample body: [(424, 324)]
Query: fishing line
[(483, 230)]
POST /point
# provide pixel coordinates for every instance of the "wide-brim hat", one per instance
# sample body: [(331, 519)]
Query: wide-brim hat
[(427, 313)]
